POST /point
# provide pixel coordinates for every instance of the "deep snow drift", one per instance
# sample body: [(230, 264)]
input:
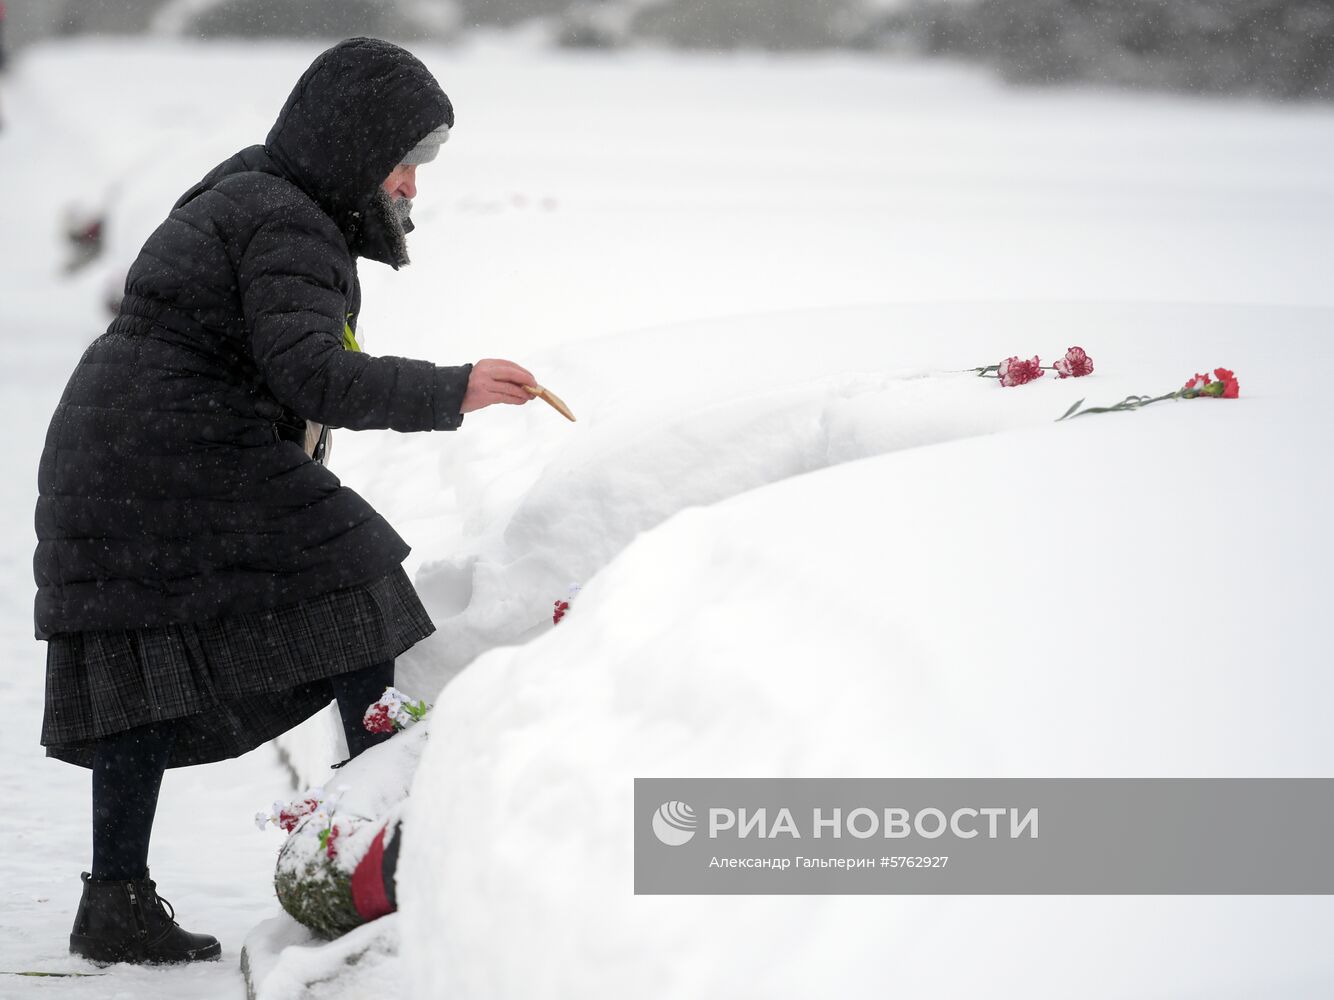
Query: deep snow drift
[(1122, 595)]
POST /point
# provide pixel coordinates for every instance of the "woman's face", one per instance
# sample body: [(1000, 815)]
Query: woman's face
[(402, 182)]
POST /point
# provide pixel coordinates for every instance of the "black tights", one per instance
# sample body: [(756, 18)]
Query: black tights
[(127, 774)]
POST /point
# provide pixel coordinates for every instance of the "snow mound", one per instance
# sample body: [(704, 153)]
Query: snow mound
[(281, 960), (1122, 595), (690, 415)]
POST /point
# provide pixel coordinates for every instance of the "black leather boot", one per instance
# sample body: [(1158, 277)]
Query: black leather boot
[(127, 921)]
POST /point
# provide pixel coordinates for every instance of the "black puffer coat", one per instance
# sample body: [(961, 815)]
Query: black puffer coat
[(172, 487)]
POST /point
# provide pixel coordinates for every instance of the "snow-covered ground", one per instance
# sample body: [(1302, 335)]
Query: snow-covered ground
[(737, 271)]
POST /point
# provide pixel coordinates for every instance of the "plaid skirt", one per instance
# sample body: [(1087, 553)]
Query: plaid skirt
[(232, 683)]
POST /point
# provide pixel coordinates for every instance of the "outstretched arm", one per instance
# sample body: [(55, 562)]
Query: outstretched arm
[(289, 280)]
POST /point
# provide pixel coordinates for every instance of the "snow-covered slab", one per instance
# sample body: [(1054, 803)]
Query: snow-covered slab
[(281, 960), (1122, 595), (264, 946)]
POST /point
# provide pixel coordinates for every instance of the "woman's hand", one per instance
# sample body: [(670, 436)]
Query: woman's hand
[(496, 381)]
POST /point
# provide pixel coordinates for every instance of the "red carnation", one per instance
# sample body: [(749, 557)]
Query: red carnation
[(292, 814), (377, 719), (329, 847), (561, 608), (1225, 388), (1012, 371), (1197, 383), (1075, 364)]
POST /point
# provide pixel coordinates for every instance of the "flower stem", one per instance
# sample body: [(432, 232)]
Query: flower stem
[(1129, 403)]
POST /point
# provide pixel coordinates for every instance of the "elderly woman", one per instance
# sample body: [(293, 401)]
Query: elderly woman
[(203, 583)]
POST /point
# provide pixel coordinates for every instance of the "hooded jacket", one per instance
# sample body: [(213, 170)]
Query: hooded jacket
[(173, 486)]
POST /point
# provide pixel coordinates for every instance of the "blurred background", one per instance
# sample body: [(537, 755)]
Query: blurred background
[(989, 134), (1276, 48)]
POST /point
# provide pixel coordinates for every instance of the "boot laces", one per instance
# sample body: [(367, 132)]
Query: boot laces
[(163, 905)]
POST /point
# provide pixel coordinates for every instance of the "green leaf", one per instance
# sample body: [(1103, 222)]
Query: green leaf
[(57, 975), (1071, 410)]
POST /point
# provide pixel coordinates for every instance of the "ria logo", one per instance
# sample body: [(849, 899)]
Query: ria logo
[(674, 823)]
